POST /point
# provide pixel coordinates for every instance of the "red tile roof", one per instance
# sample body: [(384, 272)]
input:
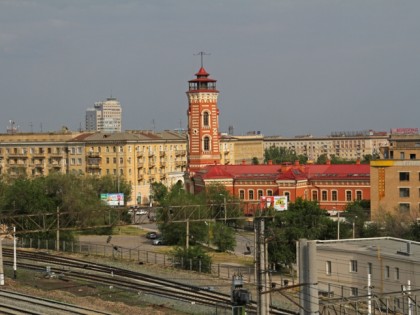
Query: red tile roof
[(286, 172)]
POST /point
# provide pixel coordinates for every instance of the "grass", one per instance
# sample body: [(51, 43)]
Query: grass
[(128, 230)]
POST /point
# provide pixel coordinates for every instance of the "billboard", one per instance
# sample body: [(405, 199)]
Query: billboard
[(113, 199), (277, 202)]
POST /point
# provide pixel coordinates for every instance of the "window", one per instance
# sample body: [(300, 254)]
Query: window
[(402, 155), (397, 273), (287, 194), (348, 195), (206, 144), (324, 195), (328, 269), (314, 195), (387, 272), (334, 195), (353, 265), (358, 195), (260, 194), (250, 194), (242, 194), (206, 119), (404, 176), (412, 156), (404, 192), (354, 291), (269, 192)]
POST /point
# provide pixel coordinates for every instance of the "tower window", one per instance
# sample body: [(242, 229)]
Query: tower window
[(206, 121), (206, 144)]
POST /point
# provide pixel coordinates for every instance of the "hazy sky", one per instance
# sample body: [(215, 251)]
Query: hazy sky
[(283, 67)]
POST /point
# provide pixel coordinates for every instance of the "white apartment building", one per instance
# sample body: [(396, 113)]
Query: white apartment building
[(104, 116)]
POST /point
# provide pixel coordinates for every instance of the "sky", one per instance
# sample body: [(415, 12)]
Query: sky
[(283, 67)]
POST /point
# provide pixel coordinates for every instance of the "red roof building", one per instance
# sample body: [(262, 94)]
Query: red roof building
[(333, 186)]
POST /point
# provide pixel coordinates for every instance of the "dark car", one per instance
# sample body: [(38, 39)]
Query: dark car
[(152, 235)]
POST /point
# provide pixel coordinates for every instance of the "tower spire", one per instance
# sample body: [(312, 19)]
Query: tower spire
[(202, 54)]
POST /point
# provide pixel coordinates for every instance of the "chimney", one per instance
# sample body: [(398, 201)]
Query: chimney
[(328, 162), (297, 163), (358, 161), (270, 162), (243, 162)]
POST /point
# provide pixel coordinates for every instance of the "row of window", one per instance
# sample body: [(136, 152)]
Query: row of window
[(324, 194), (353, 268)]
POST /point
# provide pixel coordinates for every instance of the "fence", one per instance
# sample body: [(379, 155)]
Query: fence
[(224, 271)]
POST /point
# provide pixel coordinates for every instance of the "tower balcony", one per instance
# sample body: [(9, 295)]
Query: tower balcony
[(180, 152)]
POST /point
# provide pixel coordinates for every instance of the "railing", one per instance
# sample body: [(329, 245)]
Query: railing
[(224, 271)]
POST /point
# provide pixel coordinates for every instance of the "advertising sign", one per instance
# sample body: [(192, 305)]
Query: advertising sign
[(277, 202), (113, 199)]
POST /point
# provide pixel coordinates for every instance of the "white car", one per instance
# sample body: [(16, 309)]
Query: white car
[(141, 211)]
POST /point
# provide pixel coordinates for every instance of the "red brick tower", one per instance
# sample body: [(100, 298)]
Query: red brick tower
[(203, 122)]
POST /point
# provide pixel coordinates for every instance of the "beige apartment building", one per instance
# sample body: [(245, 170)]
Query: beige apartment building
[(138, 157), (349, 146), (395, 178)]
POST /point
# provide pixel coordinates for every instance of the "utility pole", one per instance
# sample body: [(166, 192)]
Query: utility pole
[(57, 246), (263, 300)]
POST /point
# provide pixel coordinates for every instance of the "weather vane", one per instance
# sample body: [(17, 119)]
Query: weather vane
[(202, 54)]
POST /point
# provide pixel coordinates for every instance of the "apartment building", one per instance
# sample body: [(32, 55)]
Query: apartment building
[(349, 146), (104, 116), (139, 157), (395, 178), (31, 155)]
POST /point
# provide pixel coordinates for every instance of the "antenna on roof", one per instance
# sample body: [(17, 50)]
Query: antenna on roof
[(202, 54)]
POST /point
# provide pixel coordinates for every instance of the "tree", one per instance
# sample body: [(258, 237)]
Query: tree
[(255, 161), (193, 258), (159, 192), (279, 155), (357, 213), (303, 219), (224, 237)]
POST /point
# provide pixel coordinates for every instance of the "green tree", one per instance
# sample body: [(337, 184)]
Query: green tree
[(303, 219), (224, 237), (279, 155), (159, 192), (193, 258), (255, 161), (357, 213)]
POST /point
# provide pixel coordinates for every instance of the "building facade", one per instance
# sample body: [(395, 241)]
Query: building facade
[(382, 267), (348, 146), (104, 116), (138, 157), (395, 178), (332, 186)]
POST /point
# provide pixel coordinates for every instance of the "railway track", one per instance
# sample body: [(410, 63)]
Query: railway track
[(16, 303), (76, 269)]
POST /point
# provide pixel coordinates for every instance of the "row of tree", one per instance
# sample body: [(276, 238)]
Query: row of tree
[(78, 196)]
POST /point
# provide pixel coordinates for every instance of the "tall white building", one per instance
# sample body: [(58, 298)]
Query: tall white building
[(104, 116)]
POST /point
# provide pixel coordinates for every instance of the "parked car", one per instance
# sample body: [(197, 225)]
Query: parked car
[(152, 235), (159, 241), (141, 211)]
